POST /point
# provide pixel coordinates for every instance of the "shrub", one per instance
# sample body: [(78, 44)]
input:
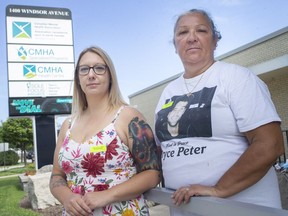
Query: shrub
[(8, 158)]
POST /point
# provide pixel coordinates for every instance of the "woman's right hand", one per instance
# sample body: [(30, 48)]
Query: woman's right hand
[(75, 206), (183, 194)]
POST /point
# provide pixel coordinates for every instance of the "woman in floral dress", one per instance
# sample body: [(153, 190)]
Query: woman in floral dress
[(106, 156)]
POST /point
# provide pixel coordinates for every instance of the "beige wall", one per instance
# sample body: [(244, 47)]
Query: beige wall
[(255, 53), (279, 92)]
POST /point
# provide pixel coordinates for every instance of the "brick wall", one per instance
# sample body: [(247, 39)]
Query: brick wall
[(279, 92), (267, 50)]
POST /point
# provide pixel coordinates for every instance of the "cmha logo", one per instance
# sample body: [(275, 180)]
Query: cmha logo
[(31, 71), (24, 53)]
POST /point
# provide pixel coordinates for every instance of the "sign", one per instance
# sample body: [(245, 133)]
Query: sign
[(40, 60), (34, 106)]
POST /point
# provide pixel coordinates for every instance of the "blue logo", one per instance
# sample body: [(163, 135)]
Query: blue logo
[(22, 53), (29, 71), (21, 30)]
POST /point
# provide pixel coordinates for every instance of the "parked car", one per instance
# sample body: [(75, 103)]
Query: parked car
[(30, 155)]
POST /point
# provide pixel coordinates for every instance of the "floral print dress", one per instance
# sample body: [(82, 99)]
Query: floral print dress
[(98, 164)]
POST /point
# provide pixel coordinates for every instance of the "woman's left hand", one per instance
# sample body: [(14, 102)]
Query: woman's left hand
[(97, 199), (183, 194)]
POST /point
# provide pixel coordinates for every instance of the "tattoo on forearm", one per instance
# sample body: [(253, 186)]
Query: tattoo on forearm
[(60, 181), (56, 174), (144, 148)]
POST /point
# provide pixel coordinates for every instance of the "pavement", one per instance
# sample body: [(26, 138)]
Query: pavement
[(8, 176), (3, 168)]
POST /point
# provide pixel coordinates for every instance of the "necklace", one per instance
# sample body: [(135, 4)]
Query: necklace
[(186, 85)]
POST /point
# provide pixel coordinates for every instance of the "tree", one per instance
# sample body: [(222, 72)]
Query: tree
[(1, 136), (18, 132)]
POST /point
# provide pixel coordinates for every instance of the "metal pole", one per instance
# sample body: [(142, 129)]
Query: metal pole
[(4, 156)]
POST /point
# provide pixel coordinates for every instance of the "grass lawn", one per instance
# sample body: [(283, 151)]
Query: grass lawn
[(11, 194)]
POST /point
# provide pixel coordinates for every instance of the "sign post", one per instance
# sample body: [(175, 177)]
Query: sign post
[(40, 70)]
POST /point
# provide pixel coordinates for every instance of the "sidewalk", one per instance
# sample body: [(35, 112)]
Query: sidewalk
[(8, 176), (3, 168)]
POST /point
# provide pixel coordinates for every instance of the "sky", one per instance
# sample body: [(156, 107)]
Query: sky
[(137, 34)]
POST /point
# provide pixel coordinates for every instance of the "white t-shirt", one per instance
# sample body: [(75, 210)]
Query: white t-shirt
[(201, 134)]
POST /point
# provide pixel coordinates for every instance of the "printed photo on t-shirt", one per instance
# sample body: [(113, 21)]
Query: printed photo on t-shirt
[(187, 115)]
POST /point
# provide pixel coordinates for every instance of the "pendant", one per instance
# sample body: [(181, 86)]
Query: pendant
[(190, 95)]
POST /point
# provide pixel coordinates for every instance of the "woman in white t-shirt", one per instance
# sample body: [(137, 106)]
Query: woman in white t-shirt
[(228, 133)]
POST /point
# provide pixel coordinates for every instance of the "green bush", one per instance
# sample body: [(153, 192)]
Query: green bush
[(8, 158)]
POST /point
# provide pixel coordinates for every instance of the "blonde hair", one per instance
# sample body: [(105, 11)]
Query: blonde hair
[(79, 103)]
